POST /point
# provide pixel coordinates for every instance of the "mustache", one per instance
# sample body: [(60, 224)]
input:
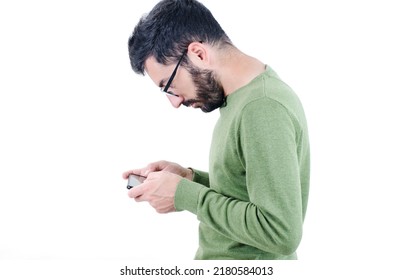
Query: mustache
[(189, 102)]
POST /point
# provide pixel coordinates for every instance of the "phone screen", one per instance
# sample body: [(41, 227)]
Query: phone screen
[(135, 180)]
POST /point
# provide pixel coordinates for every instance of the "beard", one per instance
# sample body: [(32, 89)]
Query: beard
[(209, 90)]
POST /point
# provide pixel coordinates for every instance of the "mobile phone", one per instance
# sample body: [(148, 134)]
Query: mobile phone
[(135, 180)]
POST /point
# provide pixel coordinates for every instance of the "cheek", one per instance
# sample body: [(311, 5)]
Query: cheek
[(185, 84)]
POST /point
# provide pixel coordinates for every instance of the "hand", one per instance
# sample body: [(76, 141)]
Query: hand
[(162, 166), (159, 190)]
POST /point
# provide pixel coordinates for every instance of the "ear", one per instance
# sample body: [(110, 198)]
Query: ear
[(198, 53)]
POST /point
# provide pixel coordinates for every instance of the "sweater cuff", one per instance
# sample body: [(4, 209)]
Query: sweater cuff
[(187, 196), (200, 177)]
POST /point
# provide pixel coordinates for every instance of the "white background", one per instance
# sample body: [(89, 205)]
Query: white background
[(73, 117)]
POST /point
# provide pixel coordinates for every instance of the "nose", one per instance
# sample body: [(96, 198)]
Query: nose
[(176, 101)]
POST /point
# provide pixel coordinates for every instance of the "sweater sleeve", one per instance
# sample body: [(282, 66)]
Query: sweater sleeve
[(186, 197), (272, 218)]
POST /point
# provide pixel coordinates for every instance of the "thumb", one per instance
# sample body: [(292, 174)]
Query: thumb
[(136, 191)]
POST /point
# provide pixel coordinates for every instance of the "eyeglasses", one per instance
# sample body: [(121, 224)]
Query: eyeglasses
[(168, 84)]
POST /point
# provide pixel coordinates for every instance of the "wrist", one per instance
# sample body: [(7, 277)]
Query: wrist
[(189, 173)]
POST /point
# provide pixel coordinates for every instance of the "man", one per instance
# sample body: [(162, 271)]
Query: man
[(252, 202)]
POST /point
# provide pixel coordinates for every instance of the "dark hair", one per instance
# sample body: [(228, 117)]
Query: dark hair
[(168, 30)]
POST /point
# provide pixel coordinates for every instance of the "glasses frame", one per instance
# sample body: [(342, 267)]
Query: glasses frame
[(168, 84)]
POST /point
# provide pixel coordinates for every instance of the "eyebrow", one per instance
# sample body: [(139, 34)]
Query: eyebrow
[(161, 83)]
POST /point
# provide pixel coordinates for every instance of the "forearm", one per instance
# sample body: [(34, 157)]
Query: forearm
[(244, 222)]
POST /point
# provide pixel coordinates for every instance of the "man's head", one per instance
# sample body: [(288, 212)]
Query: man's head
[(171, 29)]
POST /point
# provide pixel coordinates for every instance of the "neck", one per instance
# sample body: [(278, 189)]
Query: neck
[(236, 69)]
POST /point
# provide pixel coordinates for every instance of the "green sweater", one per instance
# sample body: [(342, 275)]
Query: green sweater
[(252, 203)]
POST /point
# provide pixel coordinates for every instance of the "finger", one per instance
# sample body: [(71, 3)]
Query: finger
[(157, 166), (152, 175), (136, 192), (126, 174)]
